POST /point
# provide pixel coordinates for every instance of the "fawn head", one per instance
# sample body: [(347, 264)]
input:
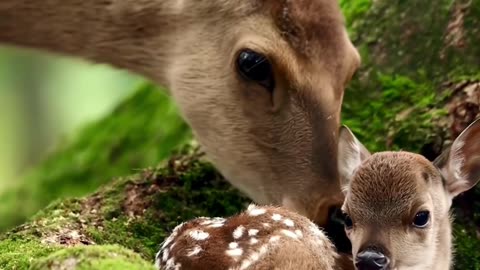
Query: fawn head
[(397, 205), (261, 83)]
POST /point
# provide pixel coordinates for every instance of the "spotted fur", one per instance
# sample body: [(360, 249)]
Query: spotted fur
[(289, 242)]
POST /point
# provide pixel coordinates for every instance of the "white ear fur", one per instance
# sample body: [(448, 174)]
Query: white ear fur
[(460, 165), (351, 154)]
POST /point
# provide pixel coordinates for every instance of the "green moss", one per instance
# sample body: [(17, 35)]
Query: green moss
[(136, 212), (401, 114), (140, 132), (92, 258), (17, 253), (197, 191)]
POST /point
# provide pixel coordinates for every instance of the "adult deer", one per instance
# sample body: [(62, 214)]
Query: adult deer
[(260, 82)]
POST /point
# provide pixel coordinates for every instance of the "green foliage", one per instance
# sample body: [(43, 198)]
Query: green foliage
[(467, 247), (140, 132), (353, 11)]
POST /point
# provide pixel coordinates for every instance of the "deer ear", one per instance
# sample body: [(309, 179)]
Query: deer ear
[(460, 164), (351, 154)]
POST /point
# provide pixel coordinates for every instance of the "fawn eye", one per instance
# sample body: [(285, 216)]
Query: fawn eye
[(421, 219), (256, 67), (347, 221)]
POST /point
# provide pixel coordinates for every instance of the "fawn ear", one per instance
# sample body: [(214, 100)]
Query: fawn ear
[(351, 154), (460, 164)]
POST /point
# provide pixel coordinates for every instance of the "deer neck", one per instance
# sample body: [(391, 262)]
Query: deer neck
[(137, 35)]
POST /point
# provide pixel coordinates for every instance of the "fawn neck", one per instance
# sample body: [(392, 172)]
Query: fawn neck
[(108, 31), (443, 256)]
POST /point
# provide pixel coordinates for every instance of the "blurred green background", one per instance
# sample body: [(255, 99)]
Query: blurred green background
[(43, 99)]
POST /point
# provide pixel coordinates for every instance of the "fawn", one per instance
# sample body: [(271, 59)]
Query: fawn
[(396, 216), (260, 238), (397, 206), (260, 82)]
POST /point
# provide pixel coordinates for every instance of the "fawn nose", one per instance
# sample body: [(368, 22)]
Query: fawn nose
[(371, 260)]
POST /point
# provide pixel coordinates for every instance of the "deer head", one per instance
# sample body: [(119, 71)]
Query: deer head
[(260, 82), (260, 238), (264, 98), (397, 204)]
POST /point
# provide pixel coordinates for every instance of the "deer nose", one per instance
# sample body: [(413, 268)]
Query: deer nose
[(371, 260)]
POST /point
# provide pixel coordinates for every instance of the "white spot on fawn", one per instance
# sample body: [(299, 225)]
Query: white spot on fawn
[(254, 256), (165, 255), (274, 239), (194, 251), (216, 225), (245, 264), (238, 232), (234, 252), (314, 229), (266, 225), (172, 235), (253, 241), (233, 245), (277, 217), (170, 264), (256, 212), (248, 262), (263, 249), (289, 222), (199, 235), (252, 232), (289, 234), (299, 233)]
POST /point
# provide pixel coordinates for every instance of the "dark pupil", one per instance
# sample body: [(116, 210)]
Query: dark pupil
[(421, 219), (255, 67), (347, 221)]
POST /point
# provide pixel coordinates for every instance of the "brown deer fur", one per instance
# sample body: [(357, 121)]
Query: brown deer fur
[(260, 238), (386, 191), (278, 147)]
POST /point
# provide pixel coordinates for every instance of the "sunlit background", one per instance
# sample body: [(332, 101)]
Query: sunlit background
[(44, 99)]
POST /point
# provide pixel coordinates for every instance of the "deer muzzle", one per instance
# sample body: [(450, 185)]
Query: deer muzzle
[(372, 260)]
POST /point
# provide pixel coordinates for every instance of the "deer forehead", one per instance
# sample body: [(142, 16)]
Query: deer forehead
[(307, 22), (392, 183)]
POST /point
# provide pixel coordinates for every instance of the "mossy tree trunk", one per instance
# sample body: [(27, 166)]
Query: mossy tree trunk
[(418, 88)]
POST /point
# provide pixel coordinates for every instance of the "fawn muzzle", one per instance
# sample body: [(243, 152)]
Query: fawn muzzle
[(372, 260)]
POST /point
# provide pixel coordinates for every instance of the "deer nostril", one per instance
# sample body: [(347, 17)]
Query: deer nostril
[(371, 260)]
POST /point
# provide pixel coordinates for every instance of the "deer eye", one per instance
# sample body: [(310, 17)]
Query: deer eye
[(256, 67), (347, 221), (421, 219)]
